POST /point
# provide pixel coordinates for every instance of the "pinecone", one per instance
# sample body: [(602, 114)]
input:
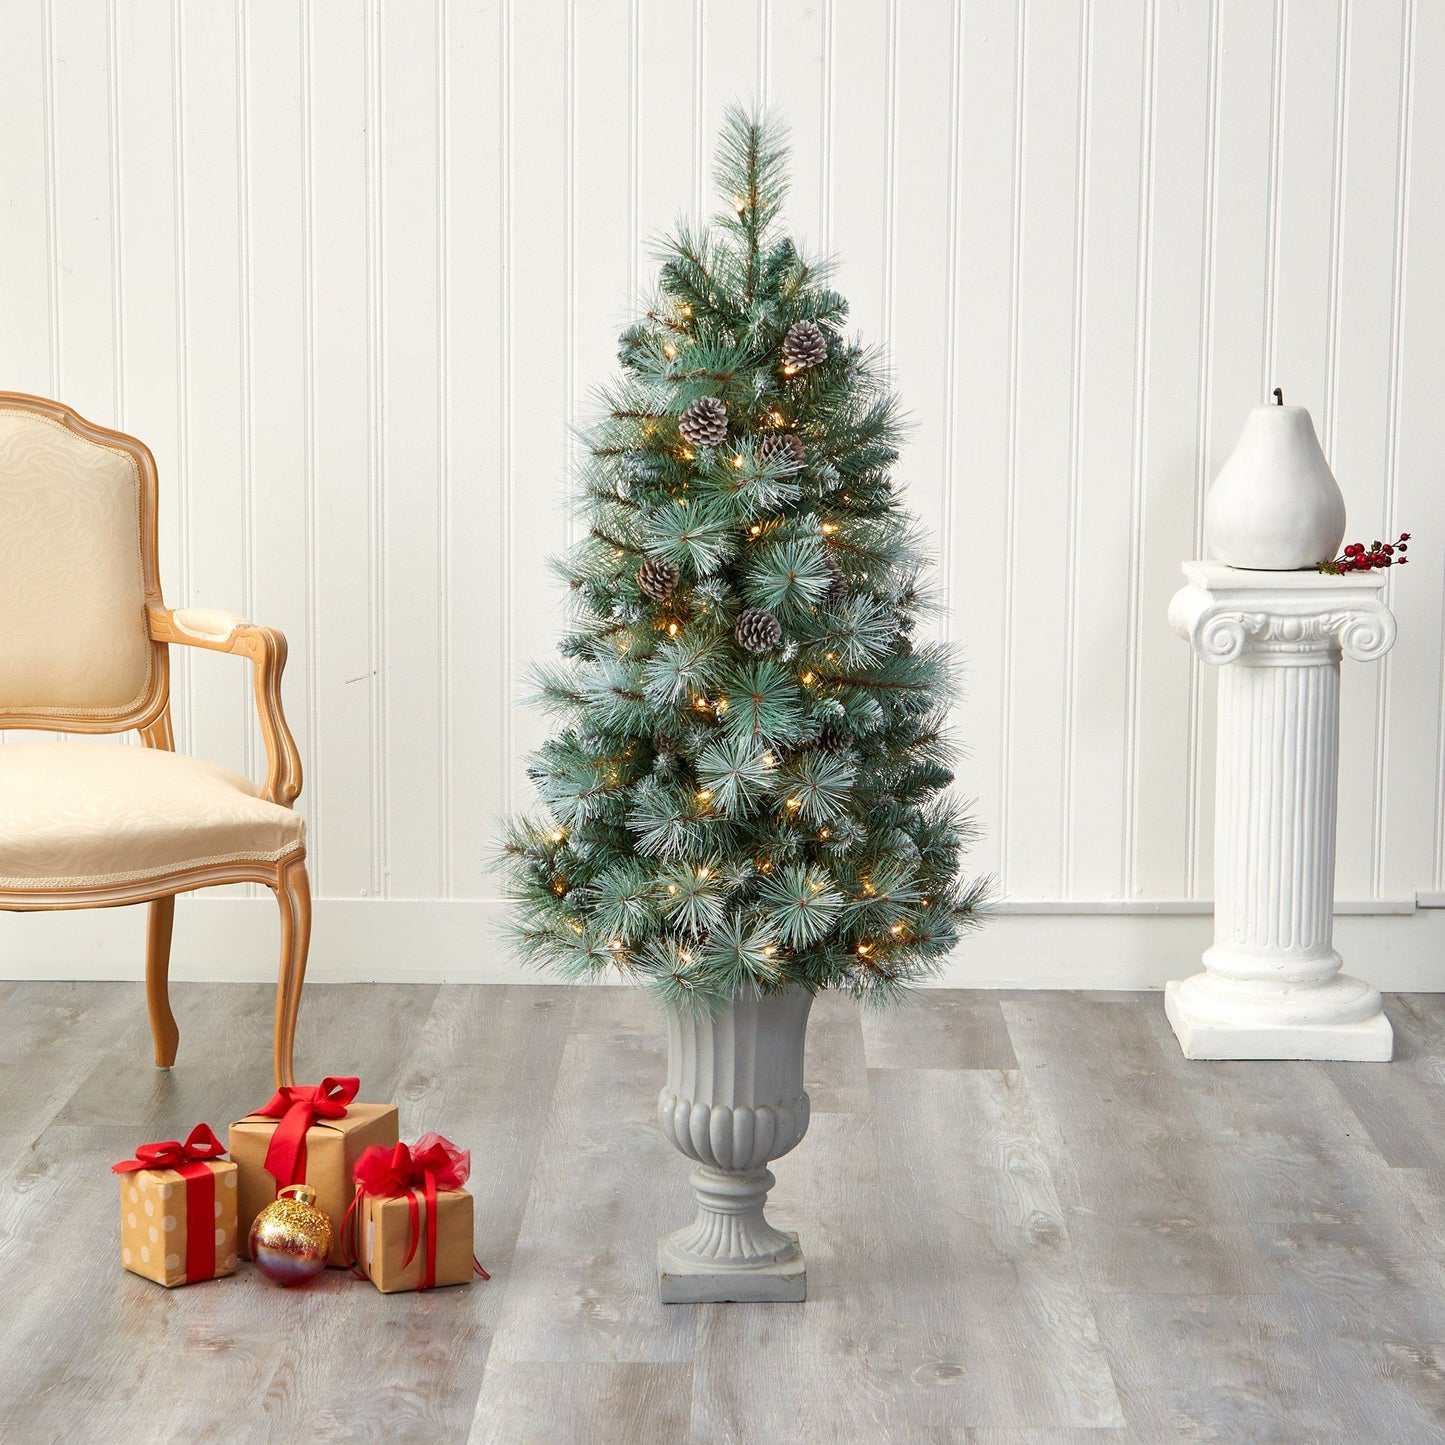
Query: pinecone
[(804, 346), (705, 422), (658, 580), (837, 582), (833, 739), (757, 630), (784, 450)]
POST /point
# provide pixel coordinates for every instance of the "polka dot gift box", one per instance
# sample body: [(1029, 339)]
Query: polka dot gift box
[(178, 1210)]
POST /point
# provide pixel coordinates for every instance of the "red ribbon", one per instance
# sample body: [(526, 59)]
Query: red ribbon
[(191, 1161), (419, 1172), (200, 1144), (298, 1106)]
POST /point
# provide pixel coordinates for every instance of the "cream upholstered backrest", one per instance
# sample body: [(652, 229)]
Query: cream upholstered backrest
[(76, 571)]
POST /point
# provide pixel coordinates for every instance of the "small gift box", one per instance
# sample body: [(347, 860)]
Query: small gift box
[(308, 1134), (410, 1225), (178, 1210)]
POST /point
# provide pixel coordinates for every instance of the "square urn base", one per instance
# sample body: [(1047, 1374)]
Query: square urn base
[(783, 1282)]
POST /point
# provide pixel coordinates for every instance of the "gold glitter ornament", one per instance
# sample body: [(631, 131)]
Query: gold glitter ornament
[(291, 1238)]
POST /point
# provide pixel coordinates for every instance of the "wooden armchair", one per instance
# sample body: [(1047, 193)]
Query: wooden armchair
[(84, 648)]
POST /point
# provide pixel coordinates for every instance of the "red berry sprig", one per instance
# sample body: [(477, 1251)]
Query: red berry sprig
[(1357, 558)]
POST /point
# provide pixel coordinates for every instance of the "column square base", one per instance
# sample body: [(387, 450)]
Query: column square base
[(785, 1281), (1369, 1041)]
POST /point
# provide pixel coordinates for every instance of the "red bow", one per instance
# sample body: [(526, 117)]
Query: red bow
[(393, 1171), (298, 1106), (431, 1164), (191, 1161), (201, 1144)]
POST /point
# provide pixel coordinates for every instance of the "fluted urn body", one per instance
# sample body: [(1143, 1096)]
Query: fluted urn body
[(733, 1102)]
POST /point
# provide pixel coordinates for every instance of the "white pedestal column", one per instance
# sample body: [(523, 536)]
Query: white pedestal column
[(1272, 986)]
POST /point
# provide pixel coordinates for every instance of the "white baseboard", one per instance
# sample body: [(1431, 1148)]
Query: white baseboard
[(393, 941)]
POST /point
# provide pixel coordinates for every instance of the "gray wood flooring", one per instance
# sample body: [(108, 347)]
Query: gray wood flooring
[(1026, 1218)]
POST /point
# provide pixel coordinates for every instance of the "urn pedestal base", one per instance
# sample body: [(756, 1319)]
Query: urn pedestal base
[(1210, 1032), (734, 1100), (680, 1282)]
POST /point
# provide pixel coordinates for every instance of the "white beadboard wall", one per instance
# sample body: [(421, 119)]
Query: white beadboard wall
[(351, 267)]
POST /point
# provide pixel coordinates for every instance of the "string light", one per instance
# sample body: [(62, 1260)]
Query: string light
[(704, 796), (669, 351), (793, 804), (557, 835), (740, 205), (672, 629), (825, 833), (864, 949), (776, 417), (672, 887), (828, 528), (739, 461), (809, 678), (769, 949), (790, 371), (704, 871), (559, 888), (616, 944), (684, 310), (896, 930), (768, 760), (765, 866), (701, 704), (722, 704)]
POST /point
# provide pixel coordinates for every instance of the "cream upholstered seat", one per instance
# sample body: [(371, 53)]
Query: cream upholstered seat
[(84, 648), (84, 815)]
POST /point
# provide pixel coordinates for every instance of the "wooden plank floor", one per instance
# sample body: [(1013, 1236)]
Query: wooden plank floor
[(1026, 1217)]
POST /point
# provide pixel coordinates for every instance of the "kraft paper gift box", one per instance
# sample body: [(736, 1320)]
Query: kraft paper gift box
[(386, 1239), (307, 1134), (178, 1210), (410, 1225)]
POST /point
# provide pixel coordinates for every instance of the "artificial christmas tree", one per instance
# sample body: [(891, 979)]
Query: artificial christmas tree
[(747, 797)]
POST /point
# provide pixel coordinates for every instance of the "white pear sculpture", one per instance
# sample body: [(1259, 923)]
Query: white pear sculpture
[(1275, 505)]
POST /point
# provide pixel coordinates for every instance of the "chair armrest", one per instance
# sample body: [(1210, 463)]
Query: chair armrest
[(225, 632)]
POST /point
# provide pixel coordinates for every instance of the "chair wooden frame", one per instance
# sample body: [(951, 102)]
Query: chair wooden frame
[(150, 715)]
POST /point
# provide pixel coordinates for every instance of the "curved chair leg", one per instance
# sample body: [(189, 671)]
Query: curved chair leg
[(164, 1033), (293, 895)]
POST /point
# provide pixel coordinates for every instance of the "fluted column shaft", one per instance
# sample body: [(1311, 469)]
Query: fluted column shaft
[(1274, 818)]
